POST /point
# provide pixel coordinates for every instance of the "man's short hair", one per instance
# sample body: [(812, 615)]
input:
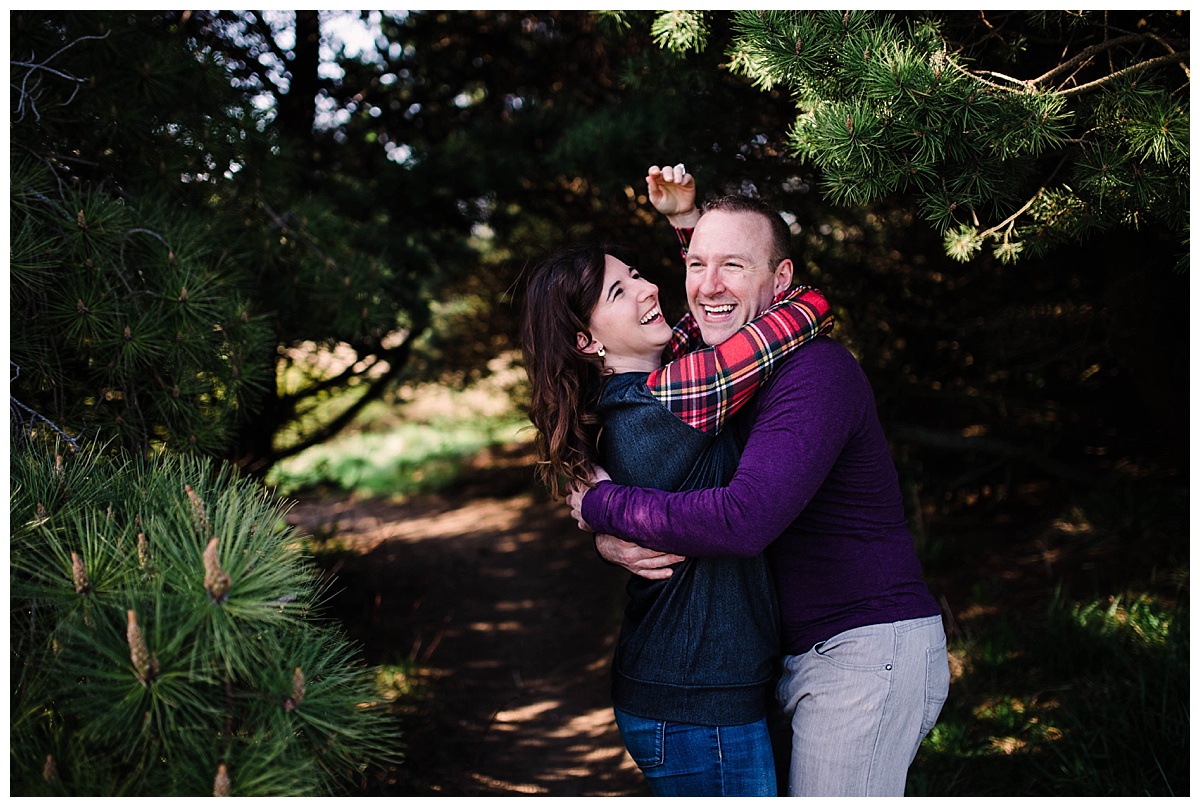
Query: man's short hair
[(781, 234)]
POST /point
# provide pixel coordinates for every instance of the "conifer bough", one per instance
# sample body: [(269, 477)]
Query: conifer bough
[(204, 669), (1022, 130)]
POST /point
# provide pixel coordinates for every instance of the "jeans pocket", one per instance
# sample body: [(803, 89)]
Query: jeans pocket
[(645, 739)]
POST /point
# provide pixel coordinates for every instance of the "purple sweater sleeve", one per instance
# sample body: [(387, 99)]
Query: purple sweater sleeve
[(802, 422)]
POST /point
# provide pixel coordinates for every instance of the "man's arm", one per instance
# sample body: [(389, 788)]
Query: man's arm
[(672, 191), (648, 563), (802, 424)]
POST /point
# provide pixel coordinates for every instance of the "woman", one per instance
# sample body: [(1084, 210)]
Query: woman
[(695, 660)]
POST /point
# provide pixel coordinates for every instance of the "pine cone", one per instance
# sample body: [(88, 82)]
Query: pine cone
[(143, 550), (50, 769), (198, 516)]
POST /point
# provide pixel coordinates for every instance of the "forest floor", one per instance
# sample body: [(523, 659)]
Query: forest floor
[(494, 605), (507, 618)]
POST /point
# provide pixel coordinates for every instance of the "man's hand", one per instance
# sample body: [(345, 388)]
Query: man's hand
[(643, 562), (672, 191)]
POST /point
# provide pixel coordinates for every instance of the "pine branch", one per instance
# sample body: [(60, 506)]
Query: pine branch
[(282, 224), (37, 415), (25, 94), (1155, 62), (979, 74), (1008, 222)]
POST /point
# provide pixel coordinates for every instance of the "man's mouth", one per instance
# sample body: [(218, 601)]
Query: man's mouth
[(652, 315), (718, 310)]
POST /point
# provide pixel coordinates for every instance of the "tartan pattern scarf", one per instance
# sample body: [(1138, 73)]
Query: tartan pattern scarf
[(704, 386)]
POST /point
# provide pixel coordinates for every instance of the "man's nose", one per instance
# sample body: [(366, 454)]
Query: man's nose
[(711, 281)]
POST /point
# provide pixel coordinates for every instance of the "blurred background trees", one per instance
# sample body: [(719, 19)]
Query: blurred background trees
[(379, 200), (196, 230)]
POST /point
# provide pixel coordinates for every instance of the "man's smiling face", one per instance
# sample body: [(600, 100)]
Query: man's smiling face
[(730, 279)]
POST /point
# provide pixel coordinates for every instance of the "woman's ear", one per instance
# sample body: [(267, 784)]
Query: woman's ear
[(586, 344)]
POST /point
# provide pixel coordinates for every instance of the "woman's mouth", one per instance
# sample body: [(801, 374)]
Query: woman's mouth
[(651, 316)]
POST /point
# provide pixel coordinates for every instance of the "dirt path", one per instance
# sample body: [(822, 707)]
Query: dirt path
[(510, 618)]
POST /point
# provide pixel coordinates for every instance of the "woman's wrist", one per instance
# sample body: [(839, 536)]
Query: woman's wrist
[(684, 221)]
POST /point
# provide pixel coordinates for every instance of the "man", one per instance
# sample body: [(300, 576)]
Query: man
[(864, 673)]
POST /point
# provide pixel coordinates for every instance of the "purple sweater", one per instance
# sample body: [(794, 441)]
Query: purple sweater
[(816, 488)]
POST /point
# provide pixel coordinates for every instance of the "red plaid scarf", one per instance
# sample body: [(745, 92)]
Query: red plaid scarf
[(703, 387)]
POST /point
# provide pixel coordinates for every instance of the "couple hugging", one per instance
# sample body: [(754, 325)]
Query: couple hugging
[(736, 466)]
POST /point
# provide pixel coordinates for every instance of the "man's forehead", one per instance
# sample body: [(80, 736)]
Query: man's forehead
[(730, 234)]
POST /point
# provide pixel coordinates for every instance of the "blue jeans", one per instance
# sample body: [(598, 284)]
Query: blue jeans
[(682, 759), (859, 705)]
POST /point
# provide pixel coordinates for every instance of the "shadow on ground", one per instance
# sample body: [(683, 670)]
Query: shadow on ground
[(509, 617)]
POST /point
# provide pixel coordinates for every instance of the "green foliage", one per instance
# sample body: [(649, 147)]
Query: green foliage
[(165, 627), (418, 443), (413, 458), (916, 103), (1089, 701), (132, 320), (680, 31), (129, 323)]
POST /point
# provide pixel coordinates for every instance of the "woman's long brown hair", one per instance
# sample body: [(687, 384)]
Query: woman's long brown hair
[(559, 299)]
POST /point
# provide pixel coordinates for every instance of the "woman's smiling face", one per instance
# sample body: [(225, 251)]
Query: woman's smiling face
[(627, 321)]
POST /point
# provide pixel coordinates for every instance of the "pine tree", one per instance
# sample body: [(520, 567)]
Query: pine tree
[(1024, 130), (131, 315), (166, 637)]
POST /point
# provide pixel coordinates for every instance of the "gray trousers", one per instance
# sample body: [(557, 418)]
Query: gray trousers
[(859, 705)]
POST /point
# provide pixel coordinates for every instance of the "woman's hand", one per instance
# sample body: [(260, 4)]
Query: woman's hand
[(672, 191), (647, 563), (578, 490)]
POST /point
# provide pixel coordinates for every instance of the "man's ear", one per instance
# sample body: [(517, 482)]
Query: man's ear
[(585, 344), (783, 275)]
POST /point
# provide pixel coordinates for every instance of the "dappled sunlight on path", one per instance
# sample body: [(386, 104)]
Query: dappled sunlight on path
[(509, 617)]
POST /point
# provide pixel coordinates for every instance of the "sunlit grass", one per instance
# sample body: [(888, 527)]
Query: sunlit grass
[(1092, 700), (409, 459), (399, 682), (418, 440)]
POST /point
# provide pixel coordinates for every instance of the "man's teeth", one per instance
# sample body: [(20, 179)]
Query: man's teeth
[(718, 309), (650, 317)]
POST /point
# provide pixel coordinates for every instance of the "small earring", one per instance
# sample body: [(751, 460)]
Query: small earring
[(600, 352)]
